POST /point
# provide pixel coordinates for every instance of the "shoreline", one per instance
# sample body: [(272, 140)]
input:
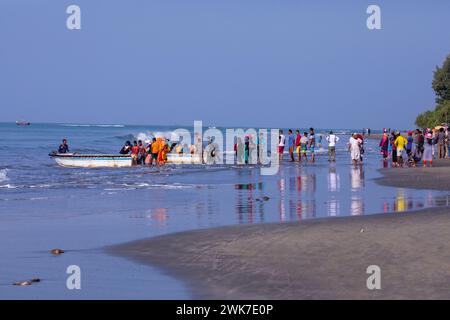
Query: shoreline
[(315, 259)]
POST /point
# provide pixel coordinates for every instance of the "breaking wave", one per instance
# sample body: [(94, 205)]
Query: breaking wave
[(4, 175)]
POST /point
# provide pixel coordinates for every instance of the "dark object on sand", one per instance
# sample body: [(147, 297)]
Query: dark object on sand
[(26, 283), (265, 198), (57, 251)]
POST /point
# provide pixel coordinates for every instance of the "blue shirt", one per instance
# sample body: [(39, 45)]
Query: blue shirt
[(291, 140)]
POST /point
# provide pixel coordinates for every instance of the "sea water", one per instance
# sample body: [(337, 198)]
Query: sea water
[(44, 206)]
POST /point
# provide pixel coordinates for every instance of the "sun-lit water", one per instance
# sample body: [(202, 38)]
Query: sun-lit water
[(43, 206)]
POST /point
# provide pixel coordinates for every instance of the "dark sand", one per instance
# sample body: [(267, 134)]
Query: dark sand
[(437, 177), (316, 259)]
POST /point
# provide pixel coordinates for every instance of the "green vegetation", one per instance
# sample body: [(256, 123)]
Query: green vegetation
[(441, 86)]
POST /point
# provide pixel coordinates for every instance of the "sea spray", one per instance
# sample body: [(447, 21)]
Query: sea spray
[(4, 175)]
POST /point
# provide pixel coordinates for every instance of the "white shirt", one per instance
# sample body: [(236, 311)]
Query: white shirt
[(332, 140), (303, 140), (282, 140), (354, 143)]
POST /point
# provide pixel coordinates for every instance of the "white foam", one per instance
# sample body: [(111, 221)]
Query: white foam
[(94, 125), (148, 136), (4, 175), (8, 186)]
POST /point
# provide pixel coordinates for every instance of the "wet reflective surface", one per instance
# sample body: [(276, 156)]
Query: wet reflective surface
[(43, 206)]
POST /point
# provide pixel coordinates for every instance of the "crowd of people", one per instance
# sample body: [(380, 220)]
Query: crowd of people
[(418, 146), (152, 153), (300, 145)]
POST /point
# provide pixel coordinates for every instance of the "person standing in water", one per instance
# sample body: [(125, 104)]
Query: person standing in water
[(135, 153), (354, 144), (63, 147), (304, 145), (440, 141), (298, 137), (291, 144), (312, 143), (332, 140), (384, 145), (400, 144), (428, 150), (281, 143), (126, 149)]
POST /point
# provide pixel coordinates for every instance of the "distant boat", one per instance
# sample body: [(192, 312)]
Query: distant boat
[(23, 123), (78, 160)]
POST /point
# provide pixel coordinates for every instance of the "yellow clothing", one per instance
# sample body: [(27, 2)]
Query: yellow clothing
[(400, 142)]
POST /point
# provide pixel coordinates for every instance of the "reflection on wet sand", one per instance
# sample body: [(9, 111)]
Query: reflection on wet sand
[(357, 178), (245, 203), (299, 193)]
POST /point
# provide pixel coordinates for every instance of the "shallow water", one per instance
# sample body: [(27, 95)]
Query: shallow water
[(43, 206)]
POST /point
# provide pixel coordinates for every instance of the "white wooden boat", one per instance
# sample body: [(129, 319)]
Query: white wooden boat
[(75, 160)]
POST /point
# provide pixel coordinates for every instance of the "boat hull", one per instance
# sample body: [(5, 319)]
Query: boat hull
[(114, 161), (92, 161)]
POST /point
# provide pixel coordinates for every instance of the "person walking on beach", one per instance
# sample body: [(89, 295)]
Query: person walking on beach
[(291, 144), (354, 144), (428, 150), (312, 144), (281, 143), (63, 147), (332, 140), (384, 145)]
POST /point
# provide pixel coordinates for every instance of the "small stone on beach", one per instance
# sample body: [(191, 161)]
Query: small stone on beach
[(56, 251)]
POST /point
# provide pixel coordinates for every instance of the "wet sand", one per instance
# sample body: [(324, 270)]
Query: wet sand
[(315, 259), (436, 178)]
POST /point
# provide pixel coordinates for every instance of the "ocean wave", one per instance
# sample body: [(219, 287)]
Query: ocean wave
[(147, 137), (8, 186), (4, 175), (94, 125)]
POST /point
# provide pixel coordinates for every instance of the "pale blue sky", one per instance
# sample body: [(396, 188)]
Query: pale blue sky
[(228, 62)]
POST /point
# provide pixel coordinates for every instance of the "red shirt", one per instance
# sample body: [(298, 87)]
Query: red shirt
[(297, 139), (135, 150)]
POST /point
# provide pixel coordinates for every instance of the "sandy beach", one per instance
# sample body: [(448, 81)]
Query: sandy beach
[(316, 259)]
